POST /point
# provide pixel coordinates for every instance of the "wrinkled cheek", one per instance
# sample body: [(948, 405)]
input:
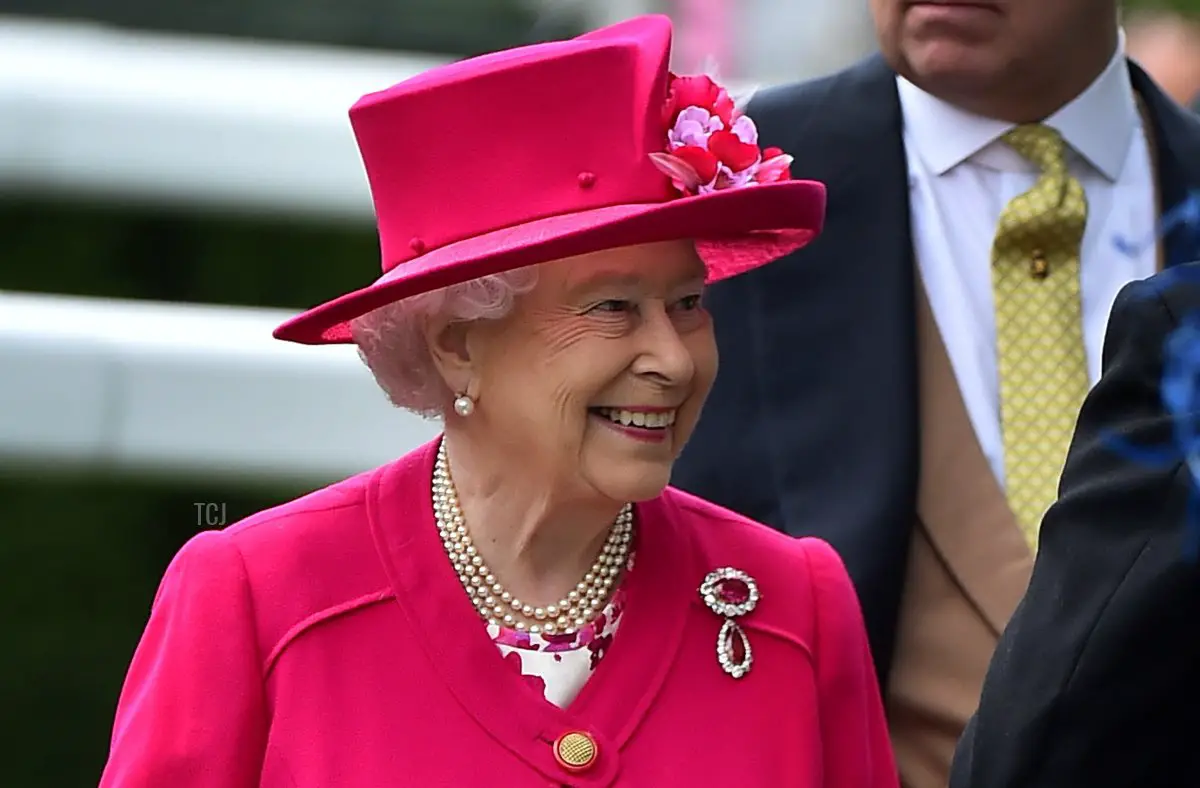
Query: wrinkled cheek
[(571, 424)]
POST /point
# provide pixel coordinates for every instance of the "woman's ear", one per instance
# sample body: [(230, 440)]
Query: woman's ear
[(450, 349)]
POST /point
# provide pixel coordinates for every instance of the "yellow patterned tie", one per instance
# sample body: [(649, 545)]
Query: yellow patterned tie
[(1039, 330)]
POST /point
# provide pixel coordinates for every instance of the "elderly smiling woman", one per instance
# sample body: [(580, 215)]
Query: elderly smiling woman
[(525, 601)]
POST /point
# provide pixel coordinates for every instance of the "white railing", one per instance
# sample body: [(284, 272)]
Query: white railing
[(90, 110), (203, 391), (199, 123)]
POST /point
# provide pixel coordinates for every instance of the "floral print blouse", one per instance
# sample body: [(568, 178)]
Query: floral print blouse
[(557, 666)]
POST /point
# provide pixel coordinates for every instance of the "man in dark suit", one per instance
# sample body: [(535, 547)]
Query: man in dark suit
[(866, 390), (1096, 681)]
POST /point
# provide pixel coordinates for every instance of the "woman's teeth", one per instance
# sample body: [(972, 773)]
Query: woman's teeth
[(656, 420)]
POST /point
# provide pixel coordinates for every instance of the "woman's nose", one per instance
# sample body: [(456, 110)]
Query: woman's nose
[(664, 353)]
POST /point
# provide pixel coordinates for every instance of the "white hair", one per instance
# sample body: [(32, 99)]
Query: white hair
[(392, 343)]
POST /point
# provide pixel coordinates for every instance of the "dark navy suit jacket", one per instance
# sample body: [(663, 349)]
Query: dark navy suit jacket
[(812, 425), (1096, 681)]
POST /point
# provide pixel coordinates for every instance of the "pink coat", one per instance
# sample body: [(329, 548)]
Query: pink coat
[(327, 642)]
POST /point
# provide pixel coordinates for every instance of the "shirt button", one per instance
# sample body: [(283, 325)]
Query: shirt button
[(575, 751)]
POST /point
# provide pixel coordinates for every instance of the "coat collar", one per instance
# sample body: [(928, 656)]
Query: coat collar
[(446, 626)]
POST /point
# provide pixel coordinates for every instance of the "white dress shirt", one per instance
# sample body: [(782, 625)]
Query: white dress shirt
[(960, 178)]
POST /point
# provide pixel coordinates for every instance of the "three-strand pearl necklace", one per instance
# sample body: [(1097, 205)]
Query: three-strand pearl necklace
[(493, 601)]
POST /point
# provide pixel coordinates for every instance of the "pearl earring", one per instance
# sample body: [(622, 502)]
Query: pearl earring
[(464, 406)]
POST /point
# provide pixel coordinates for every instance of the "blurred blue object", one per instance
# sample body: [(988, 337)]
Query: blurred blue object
[(1185, 215), (1180, 390)]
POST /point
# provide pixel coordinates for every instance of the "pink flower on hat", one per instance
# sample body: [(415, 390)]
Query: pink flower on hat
[(711, 145), (697, 91), (693, 126)]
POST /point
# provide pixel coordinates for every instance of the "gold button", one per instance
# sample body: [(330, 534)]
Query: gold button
[(575, 751)]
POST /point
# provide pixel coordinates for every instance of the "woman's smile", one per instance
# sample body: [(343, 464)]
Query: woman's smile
[(647, 424)]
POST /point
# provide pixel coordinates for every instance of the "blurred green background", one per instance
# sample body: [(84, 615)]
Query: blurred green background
[(1189, 7), (81, 556)]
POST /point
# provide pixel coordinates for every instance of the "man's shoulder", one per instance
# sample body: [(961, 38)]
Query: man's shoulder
[(772, 101), (1178, 286), (790, 96), (1146, 310)]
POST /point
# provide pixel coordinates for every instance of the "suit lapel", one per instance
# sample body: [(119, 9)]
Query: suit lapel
[(834, 338)]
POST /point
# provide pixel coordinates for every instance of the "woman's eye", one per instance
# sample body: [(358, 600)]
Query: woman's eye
[(688, 303), (613, 305)]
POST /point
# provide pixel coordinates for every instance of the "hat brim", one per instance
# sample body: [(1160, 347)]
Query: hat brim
[(735, 230)]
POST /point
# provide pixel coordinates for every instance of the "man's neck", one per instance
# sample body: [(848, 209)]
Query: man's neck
[(1036, 96)]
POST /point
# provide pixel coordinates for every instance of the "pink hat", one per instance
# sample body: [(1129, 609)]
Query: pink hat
[(556, 150)]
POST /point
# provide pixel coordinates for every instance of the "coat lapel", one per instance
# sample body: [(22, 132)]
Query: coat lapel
[(662, 589)]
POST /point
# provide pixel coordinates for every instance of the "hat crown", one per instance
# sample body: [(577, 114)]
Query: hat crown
[(512, 137)]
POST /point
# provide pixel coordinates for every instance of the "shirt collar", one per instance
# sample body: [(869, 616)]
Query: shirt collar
[(1098, 124)]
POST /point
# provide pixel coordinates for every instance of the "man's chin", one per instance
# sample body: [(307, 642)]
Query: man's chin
[(950, 70)]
